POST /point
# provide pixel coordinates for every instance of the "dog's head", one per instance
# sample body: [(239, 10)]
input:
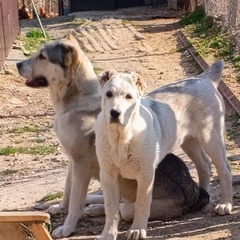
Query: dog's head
[(121, 94), (54, 61)]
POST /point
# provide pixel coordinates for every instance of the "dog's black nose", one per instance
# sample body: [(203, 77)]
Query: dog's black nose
[(19, 65), (114, 114)]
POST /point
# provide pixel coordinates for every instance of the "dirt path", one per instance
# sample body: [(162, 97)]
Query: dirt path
[(137, 40)]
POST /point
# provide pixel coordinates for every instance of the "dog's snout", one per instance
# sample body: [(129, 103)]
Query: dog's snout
[(19, 65), (114, 114)]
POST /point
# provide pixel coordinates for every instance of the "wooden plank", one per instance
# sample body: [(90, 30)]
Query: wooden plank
[(137, 35), (107, 39), (39, 231), (104, 45), (96, 46), (108, 29), (24, 217), (12, 231)]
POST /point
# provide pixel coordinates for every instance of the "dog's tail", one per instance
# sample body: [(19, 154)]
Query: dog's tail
[(203, 200), (214, 73)]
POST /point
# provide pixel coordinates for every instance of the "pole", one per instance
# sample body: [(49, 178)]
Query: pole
[(40, 23)]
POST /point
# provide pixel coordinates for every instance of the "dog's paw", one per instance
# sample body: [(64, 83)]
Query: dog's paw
[(136, 234), (56, 209), (94, 210), (223, 208), (62, 231)]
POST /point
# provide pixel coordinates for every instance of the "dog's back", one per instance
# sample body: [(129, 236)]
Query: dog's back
[(176, 106)]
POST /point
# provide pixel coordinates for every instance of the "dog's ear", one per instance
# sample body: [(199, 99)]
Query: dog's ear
[(139, 82), (68, 50), (105, 76), (70, 37), (67, 54)]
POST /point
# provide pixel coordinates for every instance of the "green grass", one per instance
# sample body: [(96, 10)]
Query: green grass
[(21, 130), (34, 33), (37, 140), (36, 150), (235, 124), (51, 196), (8, 172), (33, 39), (193, 17), (238, 78), (97, 70), (79, 21), (208, 39), (126, 22)]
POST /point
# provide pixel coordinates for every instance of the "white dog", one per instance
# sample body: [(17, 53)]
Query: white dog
[(133, 134)]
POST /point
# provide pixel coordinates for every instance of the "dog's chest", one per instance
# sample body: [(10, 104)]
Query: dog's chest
[(119, 154), (125, 160)]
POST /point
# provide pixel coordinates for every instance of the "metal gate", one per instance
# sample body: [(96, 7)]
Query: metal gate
[(9, 27)]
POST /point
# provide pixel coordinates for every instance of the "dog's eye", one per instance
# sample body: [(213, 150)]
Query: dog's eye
[(41, 56), (109, 94), (128, 96)]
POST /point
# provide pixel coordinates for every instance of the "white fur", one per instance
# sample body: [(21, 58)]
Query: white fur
[(187, 114)]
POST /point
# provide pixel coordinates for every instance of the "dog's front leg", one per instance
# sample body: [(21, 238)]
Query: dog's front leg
[(110, 186), (80, 181), (138, 229)]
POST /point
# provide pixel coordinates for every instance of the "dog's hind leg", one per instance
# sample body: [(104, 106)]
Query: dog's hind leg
[(127, 211), (95, 206), (161, 209), (94, 199), (80, 182), (215, 148), (95, 210), (203, 165), (62, 207)]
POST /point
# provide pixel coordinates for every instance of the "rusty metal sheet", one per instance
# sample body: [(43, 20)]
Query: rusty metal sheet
[(9, 27)]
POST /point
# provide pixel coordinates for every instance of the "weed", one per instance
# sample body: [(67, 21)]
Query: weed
[(37, 150), (235, 123), (193, 17), (21, 130), (125, 22), (208, 38), (234, 119), (33, 40), (230, 134), (51, 196), (181, 49), (97, 70), (34, 33), (8, 172), (238, 78), (38, 140), (79, 21)]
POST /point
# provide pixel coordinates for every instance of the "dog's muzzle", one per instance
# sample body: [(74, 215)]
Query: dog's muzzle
[(37, 82), (114, 116)]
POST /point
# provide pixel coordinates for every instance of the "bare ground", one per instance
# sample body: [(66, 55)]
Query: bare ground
[(149, 48)]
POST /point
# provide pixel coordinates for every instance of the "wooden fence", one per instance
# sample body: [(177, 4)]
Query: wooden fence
[(9, 27)]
